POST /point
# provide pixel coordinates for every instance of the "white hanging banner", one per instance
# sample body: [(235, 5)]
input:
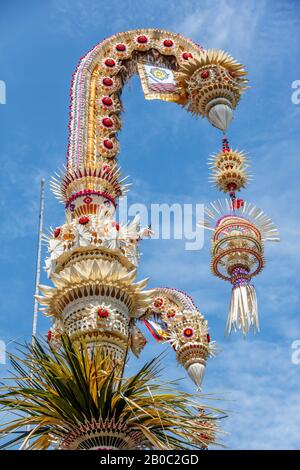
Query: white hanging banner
[(158, 83)]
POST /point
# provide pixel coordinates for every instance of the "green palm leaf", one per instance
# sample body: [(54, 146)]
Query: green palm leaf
[(67, 392)]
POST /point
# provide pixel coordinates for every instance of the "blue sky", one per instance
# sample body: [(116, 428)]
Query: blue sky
[(164, 150)]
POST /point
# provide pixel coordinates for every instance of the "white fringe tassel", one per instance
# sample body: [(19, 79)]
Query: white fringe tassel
[(243, 311)]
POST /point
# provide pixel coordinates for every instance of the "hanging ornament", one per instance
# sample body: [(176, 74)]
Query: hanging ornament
[(189, 336), (229, 169), (178, 322), (240, 230), (213, 83), (239, 234)]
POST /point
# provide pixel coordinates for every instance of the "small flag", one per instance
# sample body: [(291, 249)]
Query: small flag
[(158, 83), (156, 330)]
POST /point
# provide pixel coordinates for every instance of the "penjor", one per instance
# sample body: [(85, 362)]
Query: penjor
[(92, 259), (95, 302)]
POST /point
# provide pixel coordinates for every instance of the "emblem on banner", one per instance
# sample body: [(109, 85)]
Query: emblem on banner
[(158, 83)]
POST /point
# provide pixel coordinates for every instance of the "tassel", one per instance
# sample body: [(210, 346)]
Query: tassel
[(243, 311)]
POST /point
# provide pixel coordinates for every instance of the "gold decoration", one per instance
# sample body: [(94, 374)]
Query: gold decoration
[(90, 149), (106, 179), (91, 276), (184, 327), (209, 78), (229, 170)]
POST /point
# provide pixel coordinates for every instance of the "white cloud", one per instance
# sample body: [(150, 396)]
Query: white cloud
[(221, 24)]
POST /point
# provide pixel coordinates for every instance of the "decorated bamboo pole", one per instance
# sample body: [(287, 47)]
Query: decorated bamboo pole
[(95, 299)]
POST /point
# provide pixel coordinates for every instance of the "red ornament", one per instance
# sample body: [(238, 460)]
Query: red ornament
[(102, 312), (107, 101), (237, 203), (188, 332), (107, 81), (231, 187), (106, 168), (57, 232), (107, 122), (168, 43), (171, 313), (88, 200), (49, 335), (83, 220), (108, 144), (205, 74), (208, 338), (187, 55), (142, 39), (110, 62), (121, 47), (158, 302), (117, 226)]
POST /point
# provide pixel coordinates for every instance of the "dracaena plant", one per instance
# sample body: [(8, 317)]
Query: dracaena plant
[(72, 399)]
